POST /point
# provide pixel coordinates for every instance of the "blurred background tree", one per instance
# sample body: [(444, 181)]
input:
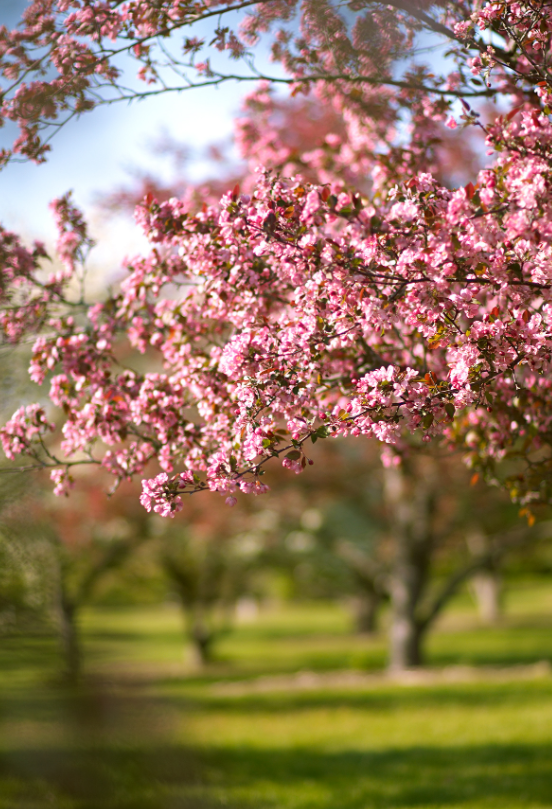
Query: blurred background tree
[(211, 559), (402, 534)]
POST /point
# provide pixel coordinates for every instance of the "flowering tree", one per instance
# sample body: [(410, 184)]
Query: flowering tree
[(359, 296), (403, 533)]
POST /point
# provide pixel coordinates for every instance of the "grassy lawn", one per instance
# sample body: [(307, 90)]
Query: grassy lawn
[(144, 732)]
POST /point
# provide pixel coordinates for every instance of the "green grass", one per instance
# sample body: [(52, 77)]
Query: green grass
[(144, 732), (462, 745)]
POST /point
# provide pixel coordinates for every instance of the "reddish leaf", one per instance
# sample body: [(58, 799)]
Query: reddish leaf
[(513, 112)]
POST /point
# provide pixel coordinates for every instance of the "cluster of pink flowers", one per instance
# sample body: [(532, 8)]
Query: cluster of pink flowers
[(25, 430), (348, 291), (394, 328), (63, 481), (159, 495)]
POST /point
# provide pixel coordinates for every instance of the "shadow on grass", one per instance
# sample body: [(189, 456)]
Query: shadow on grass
[(501, 775), (169, 777), (521, 644), (159, 638), (20, 652), (93, 746), (390, 698), (515, 644), (99, 710), (106, 777), (240, 657), (104, 746)]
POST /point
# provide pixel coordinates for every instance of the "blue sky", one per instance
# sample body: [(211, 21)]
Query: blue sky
[(97, 152)]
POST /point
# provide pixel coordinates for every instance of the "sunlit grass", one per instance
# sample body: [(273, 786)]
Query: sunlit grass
[(471, 746), (318, 637), (143, 731)]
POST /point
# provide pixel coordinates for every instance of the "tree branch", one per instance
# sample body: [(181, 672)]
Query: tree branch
[(514, 539)]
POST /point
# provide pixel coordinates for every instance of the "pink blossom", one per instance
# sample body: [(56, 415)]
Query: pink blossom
[(344, 287)]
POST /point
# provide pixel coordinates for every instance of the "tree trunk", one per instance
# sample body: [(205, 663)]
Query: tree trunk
[(405, 650), (487, 588), (366, 604), (409, 495), (408, 580), (198, 633), (369, 592), (202, 640), (70, 640), (487, 583)]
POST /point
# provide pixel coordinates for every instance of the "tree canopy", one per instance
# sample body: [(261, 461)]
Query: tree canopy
[(345, 289)]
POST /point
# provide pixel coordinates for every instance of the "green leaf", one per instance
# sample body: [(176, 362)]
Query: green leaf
[(294, 455)]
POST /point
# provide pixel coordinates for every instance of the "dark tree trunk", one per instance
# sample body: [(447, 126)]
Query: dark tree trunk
[(202, 640), (369, 590), (409, 495), (198, 633), (408, 580), (405, 641), (366, 605), (70, 640)]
